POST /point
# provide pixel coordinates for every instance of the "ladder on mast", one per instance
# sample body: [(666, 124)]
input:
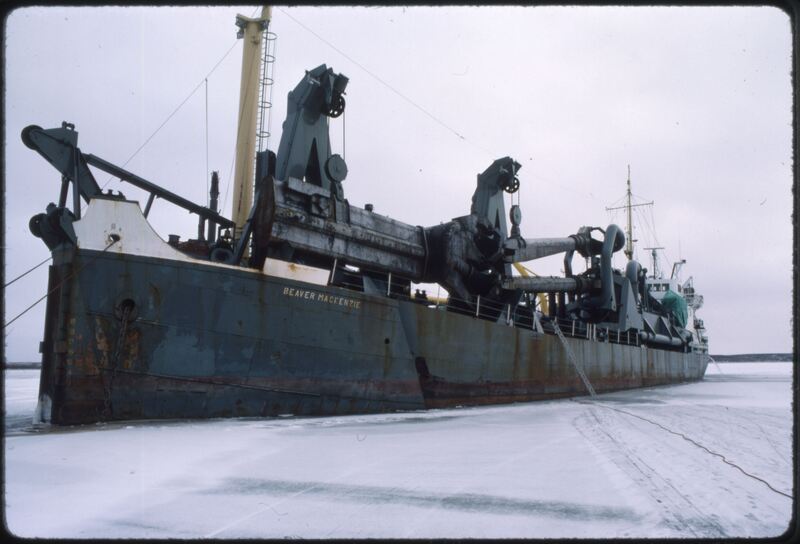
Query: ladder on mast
[(266, 80)]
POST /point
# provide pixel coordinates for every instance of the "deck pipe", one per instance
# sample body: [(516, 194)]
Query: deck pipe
[(536, 248), (660, 339), (613, 241), (543, 285), (632, 271)]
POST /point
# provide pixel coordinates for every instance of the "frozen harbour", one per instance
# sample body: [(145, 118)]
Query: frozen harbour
[(709, 459)]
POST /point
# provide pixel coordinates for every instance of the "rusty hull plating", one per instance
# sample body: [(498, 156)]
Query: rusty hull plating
[(293, 348), (307, 308)]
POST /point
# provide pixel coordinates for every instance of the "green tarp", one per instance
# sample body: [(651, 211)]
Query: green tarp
[(676, 305)]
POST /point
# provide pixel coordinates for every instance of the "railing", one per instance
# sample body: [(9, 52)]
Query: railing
[(519, 315), (589, 331)]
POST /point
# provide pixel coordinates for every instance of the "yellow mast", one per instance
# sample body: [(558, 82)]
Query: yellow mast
[(251, 30)]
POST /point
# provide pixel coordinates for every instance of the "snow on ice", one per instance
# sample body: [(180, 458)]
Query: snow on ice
[(709, 459)]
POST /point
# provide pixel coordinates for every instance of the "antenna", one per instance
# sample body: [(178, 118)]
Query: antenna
[(655, 260), (676, 269), (629, 226), (629, 230)]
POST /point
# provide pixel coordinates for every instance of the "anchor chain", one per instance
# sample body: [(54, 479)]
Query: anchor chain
[(123, 332)]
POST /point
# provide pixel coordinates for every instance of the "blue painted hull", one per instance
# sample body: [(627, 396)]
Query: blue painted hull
[(205, 341)]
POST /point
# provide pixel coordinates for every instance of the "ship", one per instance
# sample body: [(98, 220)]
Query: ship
[(301, 303)]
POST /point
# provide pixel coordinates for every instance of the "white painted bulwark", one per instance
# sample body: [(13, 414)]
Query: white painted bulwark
[(299, 272), (104, 217), (124, 218)]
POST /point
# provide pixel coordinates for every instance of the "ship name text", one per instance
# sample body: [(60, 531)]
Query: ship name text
[(321, 298)]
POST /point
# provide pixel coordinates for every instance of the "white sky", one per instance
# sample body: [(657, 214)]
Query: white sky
[(697, 100)]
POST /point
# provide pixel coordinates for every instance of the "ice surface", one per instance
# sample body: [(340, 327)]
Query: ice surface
[(614, 467)]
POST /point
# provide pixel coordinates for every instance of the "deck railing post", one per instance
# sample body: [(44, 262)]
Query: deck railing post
[(333, 271)]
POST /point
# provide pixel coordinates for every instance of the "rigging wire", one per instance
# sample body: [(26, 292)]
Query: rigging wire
[(647, 230), (87, 263), (207, 171), (650, 232), (228, 182), (619, 201), (28, 272), (385, 84), (171, 115), (238, 124), (344, 141), (666, 254), (205, 79)]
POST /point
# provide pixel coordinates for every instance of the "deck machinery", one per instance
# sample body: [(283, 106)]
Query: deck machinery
[(300, 217)]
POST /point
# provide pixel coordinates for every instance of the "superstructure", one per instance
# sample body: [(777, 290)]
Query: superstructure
[(302, 303)]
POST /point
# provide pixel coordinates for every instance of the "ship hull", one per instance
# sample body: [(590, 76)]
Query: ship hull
[(201, 340)]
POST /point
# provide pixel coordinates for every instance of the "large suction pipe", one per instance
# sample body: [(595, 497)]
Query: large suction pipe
[(536, 248), (632, 272), (659, 339), (614, 240), (521, 250), (544, 285)]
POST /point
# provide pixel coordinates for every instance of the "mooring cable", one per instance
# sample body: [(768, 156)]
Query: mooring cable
[(204, 80), (114, 240), (690, 440), (374, 76), (28, 272)]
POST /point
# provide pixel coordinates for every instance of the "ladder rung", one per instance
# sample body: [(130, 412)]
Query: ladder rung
[(574, 361)]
